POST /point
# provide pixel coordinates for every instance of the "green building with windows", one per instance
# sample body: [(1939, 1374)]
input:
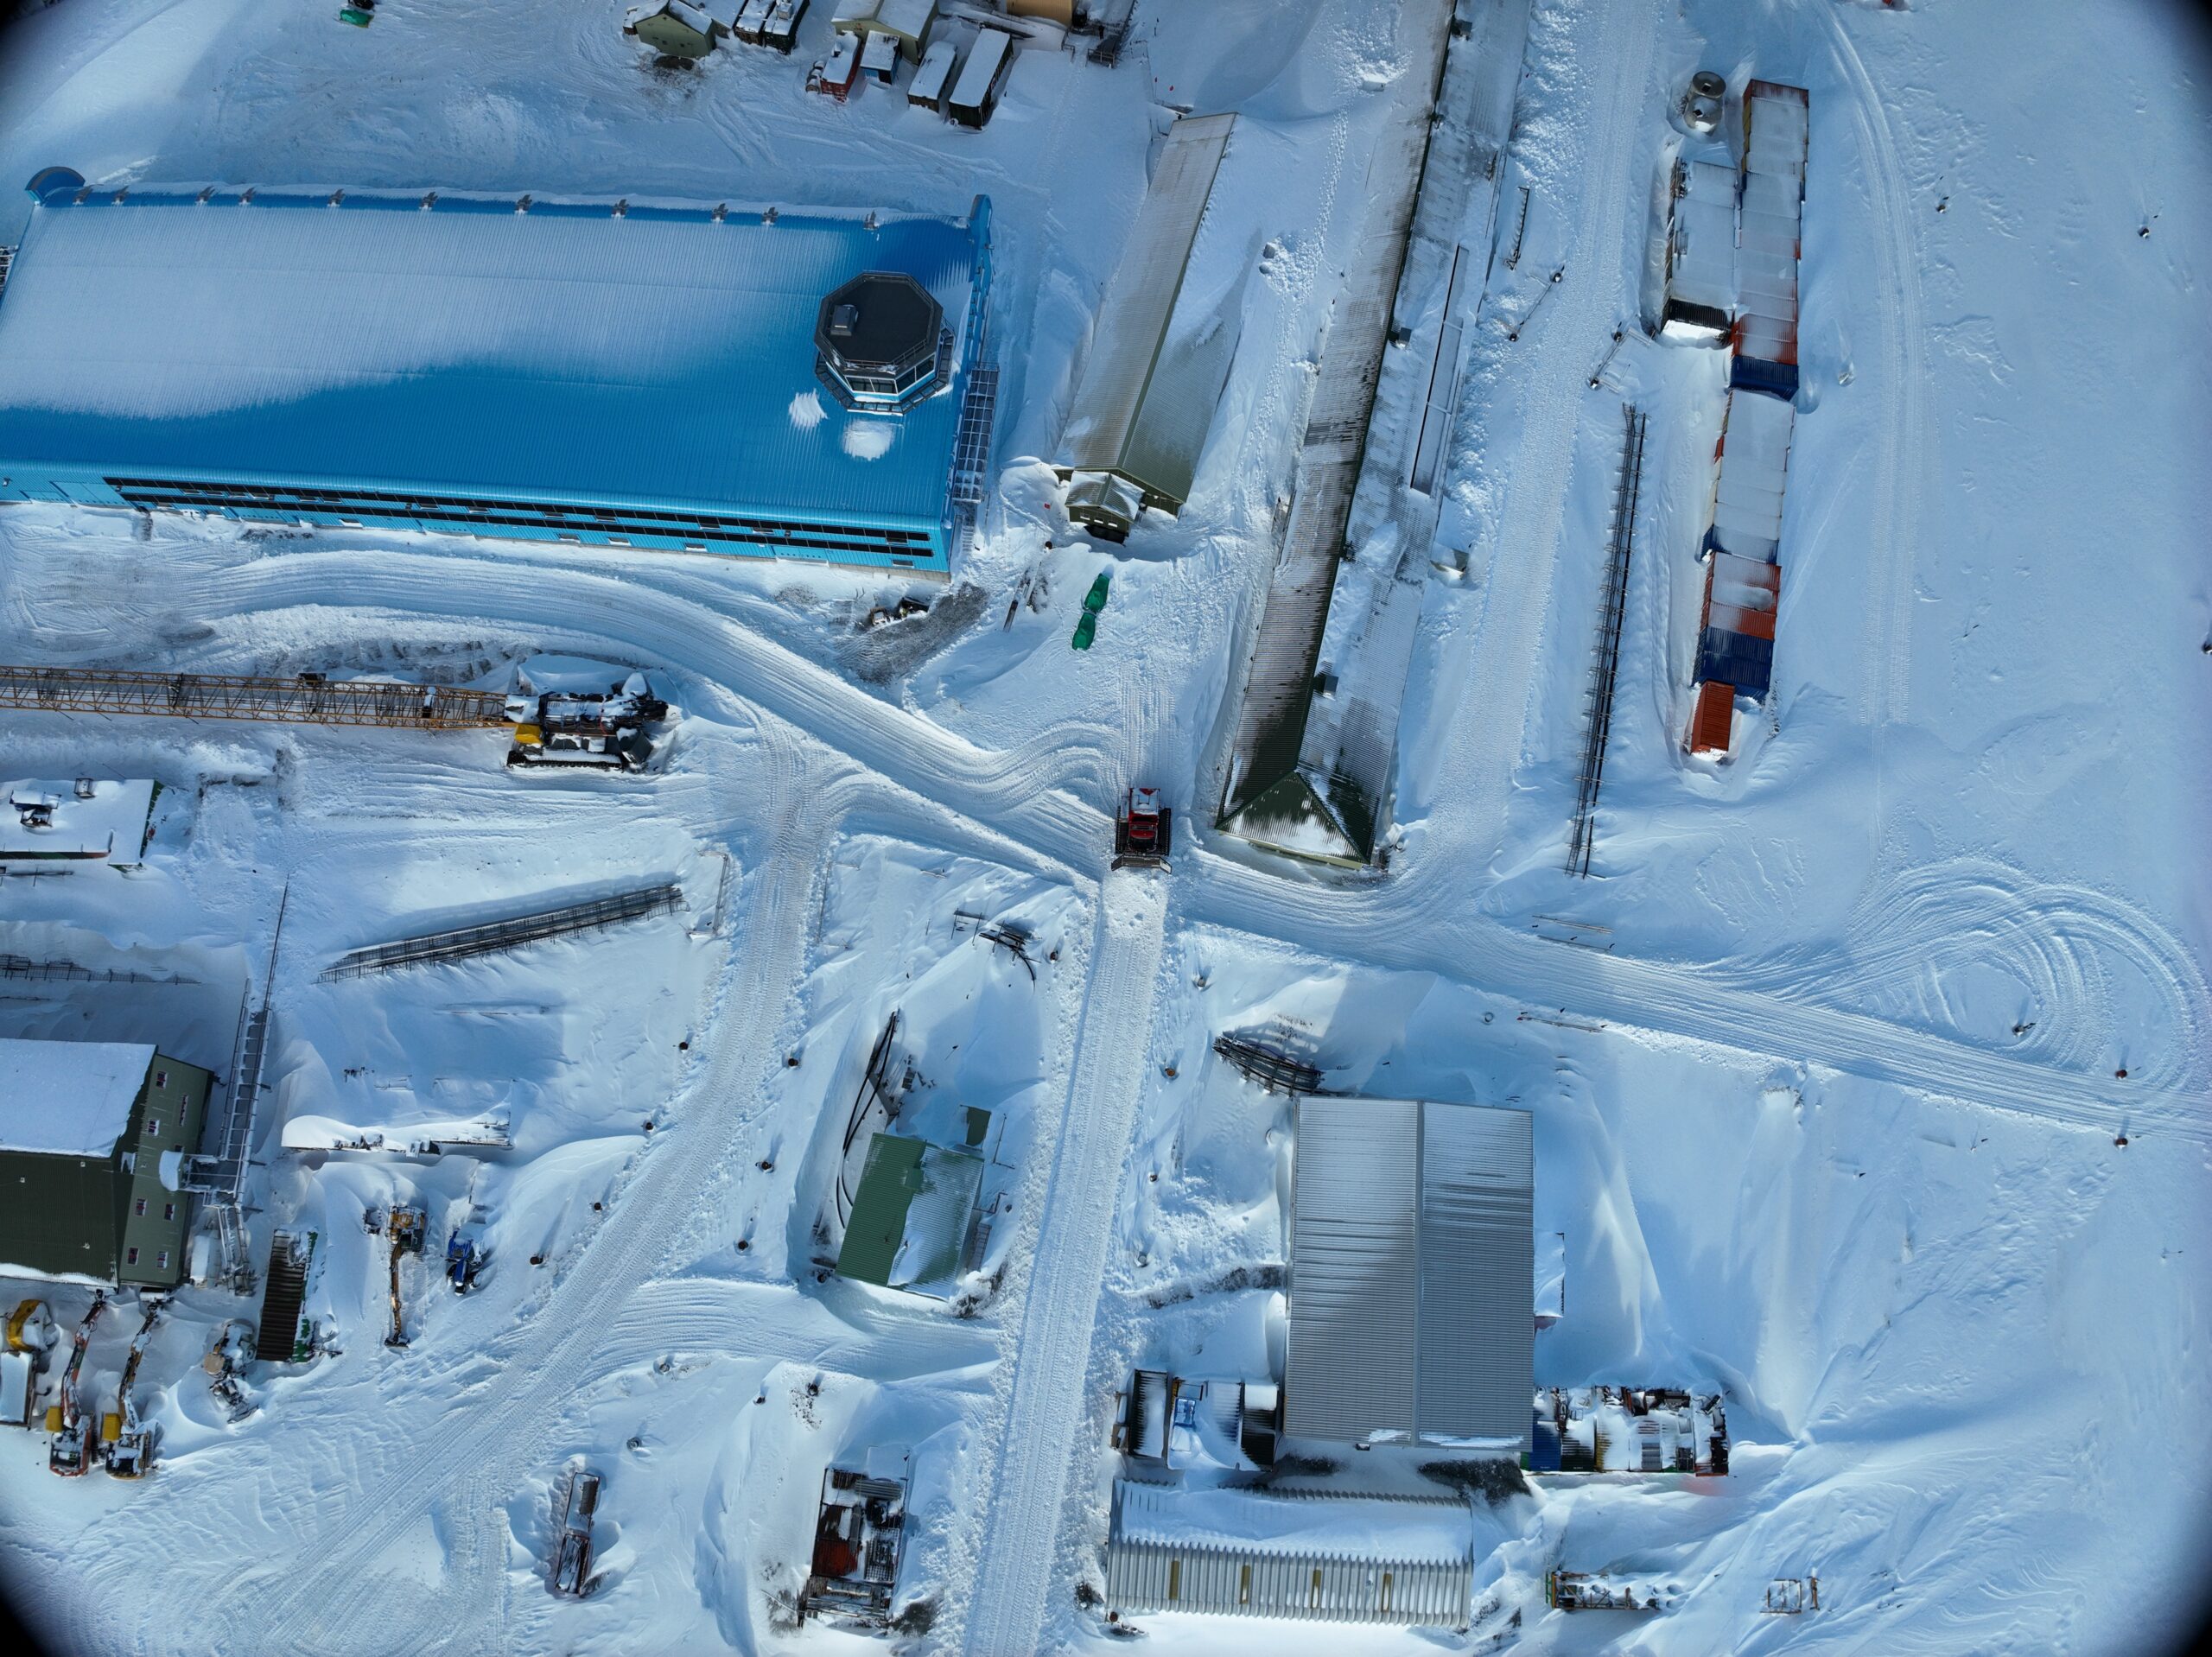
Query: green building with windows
[(92, 1137)]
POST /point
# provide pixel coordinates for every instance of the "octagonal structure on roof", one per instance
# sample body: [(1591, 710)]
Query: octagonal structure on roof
[(880, 343), (635, 374)]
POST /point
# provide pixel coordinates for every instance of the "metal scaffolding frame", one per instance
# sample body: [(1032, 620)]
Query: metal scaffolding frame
[(1604, 667), (462, 942), (217, 695)]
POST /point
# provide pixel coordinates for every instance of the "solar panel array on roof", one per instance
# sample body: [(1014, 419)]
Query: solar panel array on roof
[(1412, 1253), (592, 371)]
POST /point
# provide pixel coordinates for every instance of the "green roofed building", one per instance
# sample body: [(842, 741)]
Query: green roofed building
[(913, 1210), (92, 1136)]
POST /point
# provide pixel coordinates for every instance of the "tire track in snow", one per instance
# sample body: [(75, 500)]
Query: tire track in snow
[(1001, 784), (1046, 1349), (1903, 464), (326, 1596), (1664, 999)]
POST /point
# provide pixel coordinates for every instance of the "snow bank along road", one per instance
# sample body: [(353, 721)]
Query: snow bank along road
[(1421, 916), (1048, 1344)]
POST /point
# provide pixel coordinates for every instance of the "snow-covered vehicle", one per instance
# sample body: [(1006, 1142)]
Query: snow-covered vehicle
[(71, 1451), (570, 1568), (465, 1256), (129, 1440), (606, 729)]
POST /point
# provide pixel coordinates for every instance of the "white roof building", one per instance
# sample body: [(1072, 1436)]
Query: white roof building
[(83, 818), (1243, 1553), (1412, 1252), (68, 1098)]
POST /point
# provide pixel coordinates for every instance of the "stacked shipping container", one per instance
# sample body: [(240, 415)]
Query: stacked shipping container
[(1743, 581)]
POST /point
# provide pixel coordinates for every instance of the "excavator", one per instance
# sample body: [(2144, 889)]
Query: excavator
[(129, 1441), (71, 1451)]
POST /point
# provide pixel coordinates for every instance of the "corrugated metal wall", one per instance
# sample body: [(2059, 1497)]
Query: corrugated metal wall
[(1355, 1298), (1153, 1576), (1478, 1265), (1413, 1257)]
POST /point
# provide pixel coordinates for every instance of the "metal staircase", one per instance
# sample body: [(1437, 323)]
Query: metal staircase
[(276, 1338)]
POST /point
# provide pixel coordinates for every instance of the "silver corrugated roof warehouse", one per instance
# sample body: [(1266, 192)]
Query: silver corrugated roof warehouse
[(1411, 1252)]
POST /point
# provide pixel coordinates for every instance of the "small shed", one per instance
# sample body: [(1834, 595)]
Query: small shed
[(976, 94), (935, 75), (682, 29), (879, 57), (779, 28)]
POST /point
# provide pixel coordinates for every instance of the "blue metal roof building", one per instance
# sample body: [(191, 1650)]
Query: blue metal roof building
[(596, 373)]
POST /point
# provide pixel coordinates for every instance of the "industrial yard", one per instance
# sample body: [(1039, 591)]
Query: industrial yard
[(987, 826)]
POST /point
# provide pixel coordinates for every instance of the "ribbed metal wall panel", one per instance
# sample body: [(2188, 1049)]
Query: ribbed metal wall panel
[(1412, 1259), (564, 353), (1355, 1286), (1144, 1576), (1478, 1262)]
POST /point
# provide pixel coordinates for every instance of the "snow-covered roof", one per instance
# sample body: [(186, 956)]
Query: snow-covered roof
[(58, 818), (1775, 118), (1242, 1552), (1413, 1248), (68, 1098), (1701, 239), (1105, 428), (566, 352), (1754, 468)]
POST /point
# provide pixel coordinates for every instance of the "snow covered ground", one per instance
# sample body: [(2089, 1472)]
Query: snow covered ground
[(1868, 1071)]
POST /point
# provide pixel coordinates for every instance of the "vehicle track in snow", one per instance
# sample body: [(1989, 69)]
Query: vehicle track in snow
[(1666, 998), (1046, 1337), (359, 1499), (1001, 784), (1903, 463), (2060, 941), (1010, 792)]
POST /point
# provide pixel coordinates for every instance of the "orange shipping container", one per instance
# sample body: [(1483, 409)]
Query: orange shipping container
[(1713, 717)]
